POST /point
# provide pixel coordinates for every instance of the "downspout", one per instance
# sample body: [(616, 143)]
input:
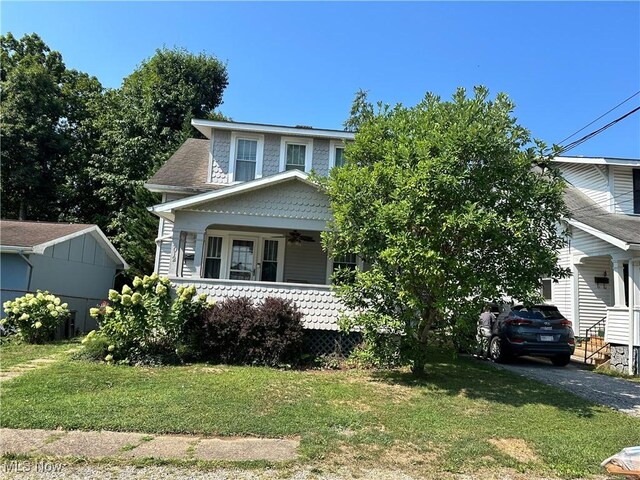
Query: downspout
[(30, 269), (632, 294)]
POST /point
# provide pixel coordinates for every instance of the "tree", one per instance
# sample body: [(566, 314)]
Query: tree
[(141, 124), (443, 202)]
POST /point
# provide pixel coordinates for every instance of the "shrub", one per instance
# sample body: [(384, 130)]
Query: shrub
[(34, 318), (144, 323), (236, 331)]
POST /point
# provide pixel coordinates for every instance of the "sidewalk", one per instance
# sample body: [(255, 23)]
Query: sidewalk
[(96, 445)]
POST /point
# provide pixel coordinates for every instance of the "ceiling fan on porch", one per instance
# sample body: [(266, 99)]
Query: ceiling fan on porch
[(295, 237)]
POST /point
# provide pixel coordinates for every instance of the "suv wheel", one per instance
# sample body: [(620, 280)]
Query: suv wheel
[(496, 351), (561, 360)]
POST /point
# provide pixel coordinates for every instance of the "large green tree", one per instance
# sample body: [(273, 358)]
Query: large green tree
[(142, 124), (44, 120), (450, 203)]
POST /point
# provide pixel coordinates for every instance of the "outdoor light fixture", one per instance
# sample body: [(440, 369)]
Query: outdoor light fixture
[(602, 282)]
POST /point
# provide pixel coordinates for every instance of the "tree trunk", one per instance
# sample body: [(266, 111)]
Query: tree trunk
[(22, 213)]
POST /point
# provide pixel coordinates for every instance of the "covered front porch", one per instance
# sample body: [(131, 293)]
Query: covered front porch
[(257, 239)]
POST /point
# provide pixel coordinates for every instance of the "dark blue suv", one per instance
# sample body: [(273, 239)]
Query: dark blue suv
[(538, 330)]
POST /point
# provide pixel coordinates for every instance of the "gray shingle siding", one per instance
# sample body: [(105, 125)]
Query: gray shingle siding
[(271, 158), (220, 153), (320, 162)]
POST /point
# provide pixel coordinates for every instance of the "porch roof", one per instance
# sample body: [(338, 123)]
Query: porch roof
[(583, 210), (168, 209)]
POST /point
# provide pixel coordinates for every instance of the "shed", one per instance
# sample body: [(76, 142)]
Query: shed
[(73, 261)]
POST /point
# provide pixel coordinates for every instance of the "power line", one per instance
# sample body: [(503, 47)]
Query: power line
[(589, 136), (604, 114)]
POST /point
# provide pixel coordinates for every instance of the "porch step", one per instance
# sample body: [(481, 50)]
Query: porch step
[(597, 358)]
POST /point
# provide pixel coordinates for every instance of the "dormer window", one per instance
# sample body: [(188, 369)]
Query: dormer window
[(296, 154), (245, 160)]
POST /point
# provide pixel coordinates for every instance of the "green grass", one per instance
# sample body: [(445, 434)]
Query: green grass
[(13, 353), (614, 373), (377, 419)]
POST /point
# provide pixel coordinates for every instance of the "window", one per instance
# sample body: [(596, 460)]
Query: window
[(296, 154), (349, 261), (213, 258), (339, 157), (270, 261), (546, 289), (242, 260), (636, 190), (245, 160), (336, 154)]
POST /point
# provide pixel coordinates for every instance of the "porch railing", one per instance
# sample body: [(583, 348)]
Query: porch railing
[(596, 327)]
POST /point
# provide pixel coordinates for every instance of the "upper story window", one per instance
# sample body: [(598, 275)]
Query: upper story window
[(636, 190), (296, 154), (245, 160), (336, 154)]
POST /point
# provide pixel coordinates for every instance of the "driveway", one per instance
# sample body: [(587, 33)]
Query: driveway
[(622, 395)]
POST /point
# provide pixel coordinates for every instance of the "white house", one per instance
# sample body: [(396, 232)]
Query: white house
[(239, 217), (603, 254), (73, 261)]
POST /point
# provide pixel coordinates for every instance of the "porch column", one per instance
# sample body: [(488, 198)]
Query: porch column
[(197, 261), (618, 281), (634, 265), (176, 257)]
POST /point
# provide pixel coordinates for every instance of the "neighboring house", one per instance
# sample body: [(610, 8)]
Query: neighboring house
[(73, 261), (240, 217), (603, 292)]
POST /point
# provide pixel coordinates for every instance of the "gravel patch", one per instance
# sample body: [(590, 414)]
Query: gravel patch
[(617, 393)]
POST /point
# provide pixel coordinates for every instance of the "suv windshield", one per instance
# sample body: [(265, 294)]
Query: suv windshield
[(539, 312)]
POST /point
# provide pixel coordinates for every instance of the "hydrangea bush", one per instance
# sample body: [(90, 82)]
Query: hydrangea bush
[(34, 317), (144, 322)]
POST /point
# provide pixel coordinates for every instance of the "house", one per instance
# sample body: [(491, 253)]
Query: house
[(603, 292), (73, 261), (240, 217)]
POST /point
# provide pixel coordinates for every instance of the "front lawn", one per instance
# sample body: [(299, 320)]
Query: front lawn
[(13, 353), (466, 416)]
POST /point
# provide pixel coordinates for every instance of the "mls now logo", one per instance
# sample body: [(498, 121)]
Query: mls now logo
[(17, 466)]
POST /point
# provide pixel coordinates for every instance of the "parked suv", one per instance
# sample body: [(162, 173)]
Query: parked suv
[(538, 330)]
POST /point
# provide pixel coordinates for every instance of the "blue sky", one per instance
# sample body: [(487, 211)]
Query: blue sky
[(291, 63)]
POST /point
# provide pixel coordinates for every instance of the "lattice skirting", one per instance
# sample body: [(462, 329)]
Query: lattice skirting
[(329, 342)]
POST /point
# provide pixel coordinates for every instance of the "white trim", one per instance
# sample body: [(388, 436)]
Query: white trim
[(626, 162), (236, 189), (601, 235), (210, 168), (235, 136), (333, 144), (188, 190), (308, 151), (206, 128)]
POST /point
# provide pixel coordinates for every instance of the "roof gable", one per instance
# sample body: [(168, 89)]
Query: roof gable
[(35, 237)]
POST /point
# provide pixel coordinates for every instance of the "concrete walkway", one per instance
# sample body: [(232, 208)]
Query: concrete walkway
[(622, 395), (95, 445)]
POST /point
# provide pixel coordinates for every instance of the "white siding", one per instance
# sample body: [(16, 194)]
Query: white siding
[(165, 230), (622, 178), (590, 179), (617, 326), (594, 299), (561, 291), (583, 243)]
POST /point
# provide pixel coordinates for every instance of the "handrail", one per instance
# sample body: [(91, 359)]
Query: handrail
[(587, 333)]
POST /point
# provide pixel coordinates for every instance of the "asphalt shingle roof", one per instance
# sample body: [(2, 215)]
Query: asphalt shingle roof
[(585, 210), (187, 168), (29, 234)]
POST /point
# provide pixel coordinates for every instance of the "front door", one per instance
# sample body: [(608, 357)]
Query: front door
[(243, 261)]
